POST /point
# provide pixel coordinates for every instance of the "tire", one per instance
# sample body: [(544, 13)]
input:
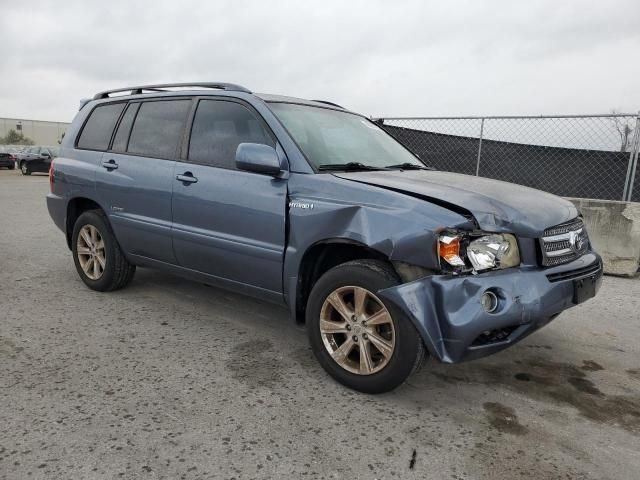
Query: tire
[(24, 167), (116, 272), (11, 167), (389, 371)]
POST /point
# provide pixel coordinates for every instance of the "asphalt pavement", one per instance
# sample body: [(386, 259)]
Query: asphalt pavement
[(173, 379)]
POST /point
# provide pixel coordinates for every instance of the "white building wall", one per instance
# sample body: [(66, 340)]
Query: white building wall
[(41, 132)]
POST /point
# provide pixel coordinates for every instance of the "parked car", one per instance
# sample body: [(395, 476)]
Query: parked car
[(307, 204), (7, 159), (19, 152), (37, 159)]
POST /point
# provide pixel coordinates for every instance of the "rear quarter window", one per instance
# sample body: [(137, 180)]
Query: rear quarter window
[(97, 131)]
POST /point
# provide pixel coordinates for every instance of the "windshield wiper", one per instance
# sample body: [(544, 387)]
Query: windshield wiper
[(349, 166), (409, 166)]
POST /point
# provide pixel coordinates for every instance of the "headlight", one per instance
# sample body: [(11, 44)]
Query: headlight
[(493, 251), (483, 252), (449, 249)]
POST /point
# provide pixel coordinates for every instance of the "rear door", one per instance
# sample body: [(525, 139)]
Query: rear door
[(226, 222), (135, 176), (44, 162), (32, 157)]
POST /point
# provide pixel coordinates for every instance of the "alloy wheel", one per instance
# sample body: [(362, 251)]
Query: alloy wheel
[(91, 252), (357, 330)]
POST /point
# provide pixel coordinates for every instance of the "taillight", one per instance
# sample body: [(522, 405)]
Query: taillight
[(51, 177)]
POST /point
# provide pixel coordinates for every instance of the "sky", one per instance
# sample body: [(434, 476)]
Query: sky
[(380, 58)]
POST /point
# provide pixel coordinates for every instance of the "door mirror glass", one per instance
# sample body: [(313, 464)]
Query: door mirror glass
[(45, 155), (257, 158)]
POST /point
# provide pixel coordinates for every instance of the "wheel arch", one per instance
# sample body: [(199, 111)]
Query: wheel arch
[(320, 257), (76, 207)]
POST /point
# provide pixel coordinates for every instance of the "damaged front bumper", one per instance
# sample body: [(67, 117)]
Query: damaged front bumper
[(447, 309)]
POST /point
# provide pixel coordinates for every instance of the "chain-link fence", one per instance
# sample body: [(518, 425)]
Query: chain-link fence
[(594, 156)]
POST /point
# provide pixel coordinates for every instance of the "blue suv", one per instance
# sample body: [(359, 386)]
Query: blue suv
[(307, 204)]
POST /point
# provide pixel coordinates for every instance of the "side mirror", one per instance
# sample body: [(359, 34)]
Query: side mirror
[(45, 155), (257, 158)]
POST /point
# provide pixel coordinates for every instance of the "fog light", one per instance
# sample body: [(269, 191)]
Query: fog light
[(489, 301)]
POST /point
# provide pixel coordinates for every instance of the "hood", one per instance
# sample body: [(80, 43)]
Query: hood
[(497, 206)]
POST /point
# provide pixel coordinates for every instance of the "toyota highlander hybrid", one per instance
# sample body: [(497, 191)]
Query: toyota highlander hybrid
[(307, 204)]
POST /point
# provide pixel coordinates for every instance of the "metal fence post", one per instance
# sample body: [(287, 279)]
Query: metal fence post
[(479, 147), (633, 161)]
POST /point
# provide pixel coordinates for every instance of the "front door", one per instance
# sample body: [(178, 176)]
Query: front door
[(228, 223)]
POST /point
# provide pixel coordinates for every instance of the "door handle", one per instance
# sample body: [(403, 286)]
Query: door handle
[(110, 165), (187, 177)]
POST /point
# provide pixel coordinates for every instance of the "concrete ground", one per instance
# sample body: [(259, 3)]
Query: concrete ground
[(172, 379)]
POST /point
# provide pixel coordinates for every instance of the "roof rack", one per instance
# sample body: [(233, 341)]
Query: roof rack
[(162, 86), (329, 103)]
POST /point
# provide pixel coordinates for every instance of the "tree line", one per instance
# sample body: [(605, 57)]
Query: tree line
[(15, 138)]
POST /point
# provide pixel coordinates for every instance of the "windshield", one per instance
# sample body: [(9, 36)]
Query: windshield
[(329, 137)]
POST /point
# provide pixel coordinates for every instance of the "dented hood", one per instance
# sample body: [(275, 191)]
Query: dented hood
[(497, 206)]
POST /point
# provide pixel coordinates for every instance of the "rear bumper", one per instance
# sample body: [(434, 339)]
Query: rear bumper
[(57, 207), (6, 162), (447, 312)]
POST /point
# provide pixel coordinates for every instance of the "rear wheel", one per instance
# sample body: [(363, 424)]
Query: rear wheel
[(97, 256), (11, 167), (24, 168), (359, 340)]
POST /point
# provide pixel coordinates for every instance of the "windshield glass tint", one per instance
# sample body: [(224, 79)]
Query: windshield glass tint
[(330, 137)]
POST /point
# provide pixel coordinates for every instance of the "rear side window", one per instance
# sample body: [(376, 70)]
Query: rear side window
[(218, 128), (99, 127), (158, 128), (122, 134)]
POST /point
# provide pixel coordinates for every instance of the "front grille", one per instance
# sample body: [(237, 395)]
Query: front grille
[(592, 269), (564, 243)]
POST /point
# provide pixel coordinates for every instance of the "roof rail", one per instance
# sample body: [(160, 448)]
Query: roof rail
[(329, 103), (162, 86)]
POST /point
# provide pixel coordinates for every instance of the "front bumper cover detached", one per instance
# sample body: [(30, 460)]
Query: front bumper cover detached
[(447, 312)]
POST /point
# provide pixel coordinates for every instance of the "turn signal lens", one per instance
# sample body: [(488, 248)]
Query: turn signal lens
[(449, 250)]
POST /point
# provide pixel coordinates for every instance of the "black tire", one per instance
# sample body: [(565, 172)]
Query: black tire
[(118, 272), (24, 168), (11, 167), (409, 350)]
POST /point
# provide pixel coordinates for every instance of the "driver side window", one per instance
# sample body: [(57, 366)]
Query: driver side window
[(218, 128)]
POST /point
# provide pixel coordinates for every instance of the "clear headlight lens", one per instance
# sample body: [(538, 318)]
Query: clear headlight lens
[(493, 251)]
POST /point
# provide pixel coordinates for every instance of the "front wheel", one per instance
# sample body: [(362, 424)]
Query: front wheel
[(97, 256), (24, 168), (359, 340)]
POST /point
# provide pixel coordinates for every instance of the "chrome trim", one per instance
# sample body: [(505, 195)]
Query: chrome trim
[(564, 243), (559, 253)]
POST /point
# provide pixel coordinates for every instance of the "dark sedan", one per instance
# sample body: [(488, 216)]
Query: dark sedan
[(37, 159), (7, 157)]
